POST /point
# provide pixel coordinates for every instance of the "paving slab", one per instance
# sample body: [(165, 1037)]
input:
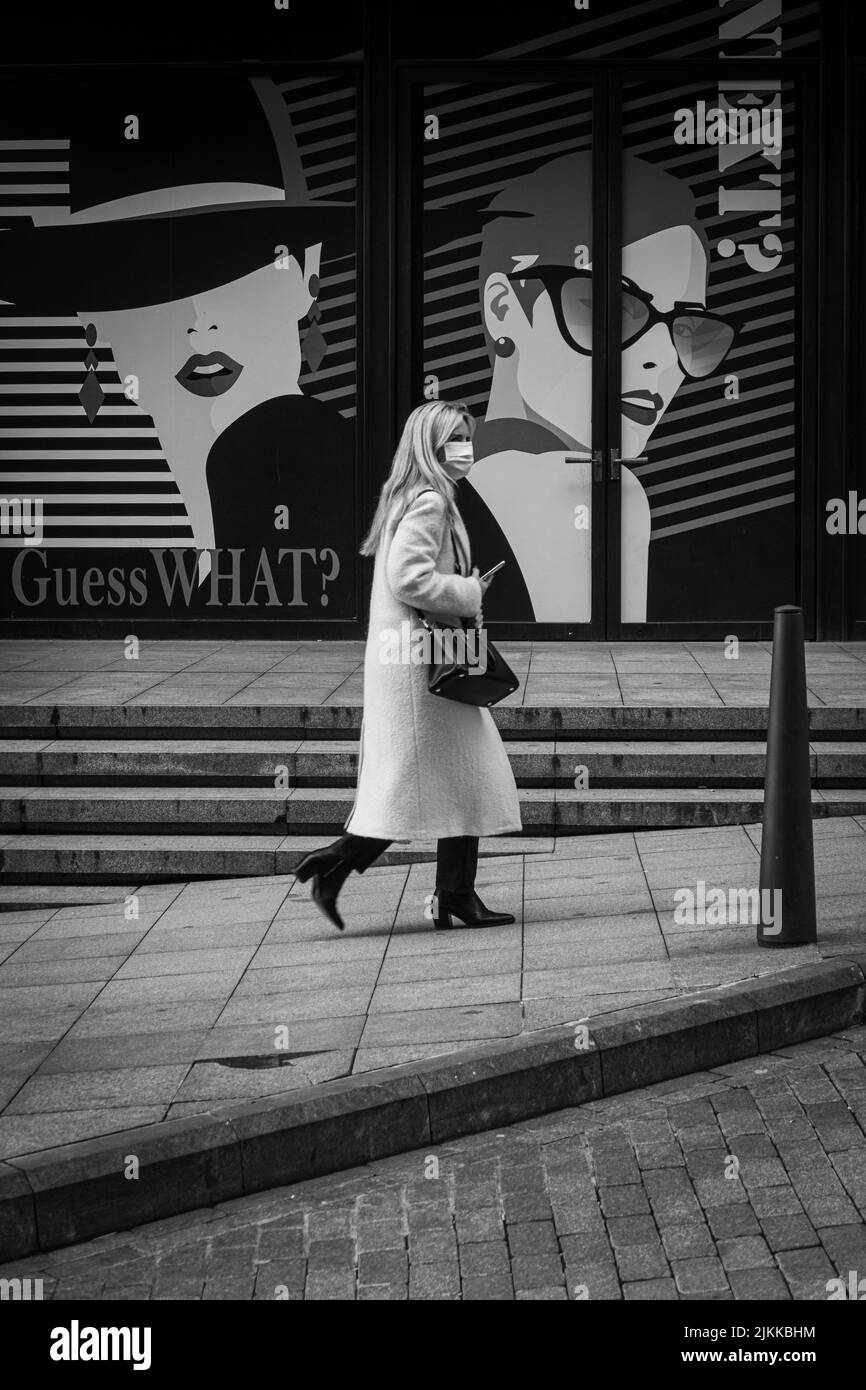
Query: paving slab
[(496, 988), (283, 1009), (451, 1024), (73, 1091), (57, 949), (260, 1041), (208, 1082), (124, 1050), (23, 1134), (74, 970), (268, 980), (148, 1018)]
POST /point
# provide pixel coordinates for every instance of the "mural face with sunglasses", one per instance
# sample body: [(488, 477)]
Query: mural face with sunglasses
[(667, 337), (667, 334), (537, 297)]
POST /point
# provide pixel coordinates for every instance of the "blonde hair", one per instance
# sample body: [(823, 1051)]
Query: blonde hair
[(415, 465)]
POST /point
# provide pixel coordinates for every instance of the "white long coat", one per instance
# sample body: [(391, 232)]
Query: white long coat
[(429, 767)]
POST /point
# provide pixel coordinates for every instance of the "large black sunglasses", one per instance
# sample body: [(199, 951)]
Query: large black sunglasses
[(702, 340)]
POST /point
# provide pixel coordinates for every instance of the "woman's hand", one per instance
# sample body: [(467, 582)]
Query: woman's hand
[(478, 620), (485, 583)]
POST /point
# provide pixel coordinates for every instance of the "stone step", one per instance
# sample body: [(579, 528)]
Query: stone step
[(32, 859), (28, 861), (570, 811), (284, 719), (334, 762), (200, 808), (253, 810)]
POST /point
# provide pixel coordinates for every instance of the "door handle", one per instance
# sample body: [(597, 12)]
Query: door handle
[(596, 458), (616, 460)]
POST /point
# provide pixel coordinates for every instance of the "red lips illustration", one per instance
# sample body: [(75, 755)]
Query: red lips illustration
[(211, 374), (642, 407)]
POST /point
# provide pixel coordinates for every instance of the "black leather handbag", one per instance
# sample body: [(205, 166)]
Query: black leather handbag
[(472, 672)]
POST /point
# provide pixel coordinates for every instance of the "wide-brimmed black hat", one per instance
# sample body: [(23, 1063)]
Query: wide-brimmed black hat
[(209, 189)]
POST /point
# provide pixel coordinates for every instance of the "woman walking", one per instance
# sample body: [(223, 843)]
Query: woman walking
[(429, 767)]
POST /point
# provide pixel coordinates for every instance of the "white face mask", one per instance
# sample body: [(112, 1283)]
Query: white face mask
[(459, 458)]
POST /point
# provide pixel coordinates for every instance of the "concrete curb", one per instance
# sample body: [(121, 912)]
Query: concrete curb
[(79, 1191)]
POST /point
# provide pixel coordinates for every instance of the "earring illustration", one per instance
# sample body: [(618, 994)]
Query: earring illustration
[(91, 394), (504, 347), (314, 345)]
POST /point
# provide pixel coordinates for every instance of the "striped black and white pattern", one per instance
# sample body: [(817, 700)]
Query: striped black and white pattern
[(108, 484), (676, 29), (34, 179)]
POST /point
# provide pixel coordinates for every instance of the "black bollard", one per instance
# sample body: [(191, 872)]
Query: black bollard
[(787, 855)]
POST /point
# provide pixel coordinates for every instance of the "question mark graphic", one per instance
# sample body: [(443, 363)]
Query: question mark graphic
[(328, 578)]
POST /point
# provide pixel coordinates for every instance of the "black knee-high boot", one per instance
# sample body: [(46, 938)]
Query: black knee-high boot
[(330, 867), (456, 867)]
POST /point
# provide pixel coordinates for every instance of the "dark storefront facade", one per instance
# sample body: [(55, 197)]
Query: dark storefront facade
[(626, 234)]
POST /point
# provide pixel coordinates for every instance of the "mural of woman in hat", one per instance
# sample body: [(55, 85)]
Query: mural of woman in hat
[(199, 263), (535, 278), (218, 372)]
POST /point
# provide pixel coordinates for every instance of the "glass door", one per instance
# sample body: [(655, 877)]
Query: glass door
[(507, 214)]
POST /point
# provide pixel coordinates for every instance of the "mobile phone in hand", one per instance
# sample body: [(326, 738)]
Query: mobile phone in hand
[(495, 570)]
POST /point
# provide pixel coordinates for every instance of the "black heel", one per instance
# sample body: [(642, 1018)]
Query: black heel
[(325, 890), (442, 921), (469, 910)]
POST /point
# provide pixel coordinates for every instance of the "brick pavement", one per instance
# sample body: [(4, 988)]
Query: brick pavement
[(746, 1182)]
